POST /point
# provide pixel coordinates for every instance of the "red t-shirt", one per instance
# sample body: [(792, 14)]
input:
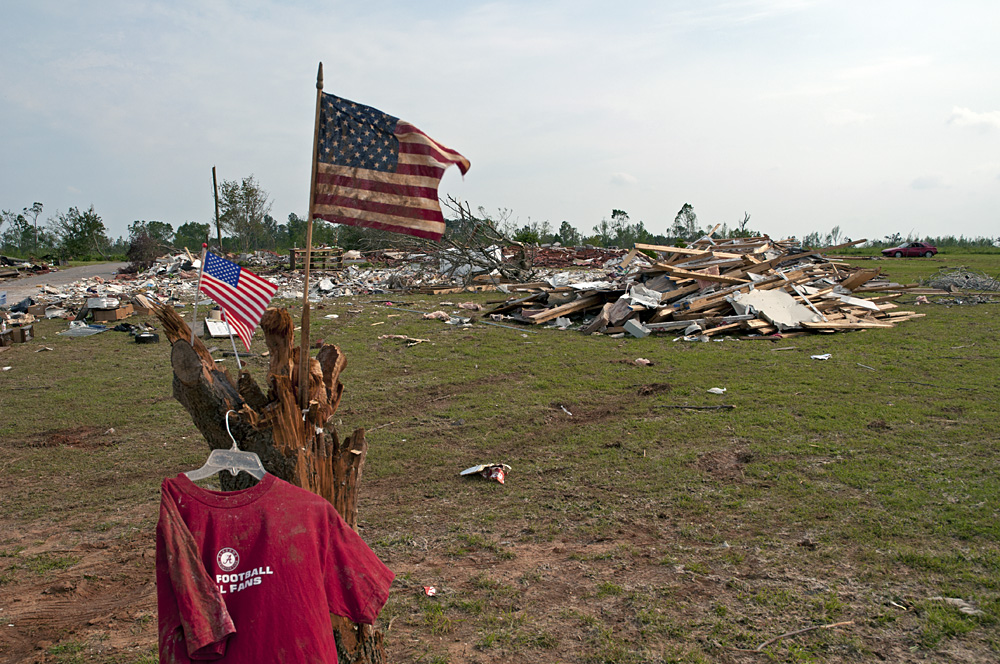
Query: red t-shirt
[(253, 575)]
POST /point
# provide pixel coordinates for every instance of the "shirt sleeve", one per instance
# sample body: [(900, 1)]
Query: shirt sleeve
[(357, 582), (201, 611)]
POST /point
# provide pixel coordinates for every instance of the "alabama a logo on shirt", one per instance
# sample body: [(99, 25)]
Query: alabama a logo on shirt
[(228, 559)]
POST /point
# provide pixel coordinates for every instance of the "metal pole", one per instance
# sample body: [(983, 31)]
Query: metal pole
[(215, 188), (236, 353)]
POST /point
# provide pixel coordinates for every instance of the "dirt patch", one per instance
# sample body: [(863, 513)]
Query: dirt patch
[(83, 589), (725, 465), (75, 437), (654, 388), (878, 425)]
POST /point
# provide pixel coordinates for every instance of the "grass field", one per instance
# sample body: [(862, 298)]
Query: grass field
[(860, 491)]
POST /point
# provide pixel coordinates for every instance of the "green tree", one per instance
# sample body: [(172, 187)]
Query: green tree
[(686, 223), (293, 233), (34, 211), (159, 231), (22, 235), (620, 228), (603, 236), (326, 233), (147, 241), (527, 235), (268, 233), (81, 235), (568, 235), (191, 235), (13, 237), (244, 209), (619, 232), (534, 232)]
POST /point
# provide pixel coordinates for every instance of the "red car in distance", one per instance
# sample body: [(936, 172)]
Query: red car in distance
[(910, 250)]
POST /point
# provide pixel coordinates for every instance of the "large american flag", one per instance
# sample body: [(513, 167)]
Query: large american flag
[(377, 171), (242, 295)]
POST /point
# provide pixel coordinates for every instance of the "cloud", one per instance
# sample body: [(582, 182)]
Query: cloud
[(804, 91), (845, 116), (740, 12), (623, 179), (884, 67), (965, 117), (928, 182)]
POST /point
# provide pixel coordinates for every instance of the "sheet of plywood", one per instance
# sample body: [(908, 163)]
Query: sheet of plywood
[(776, 306)]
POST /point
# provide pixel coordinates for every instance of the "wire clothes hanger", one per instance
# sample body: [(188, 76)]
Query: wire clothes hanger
[(234, 460)]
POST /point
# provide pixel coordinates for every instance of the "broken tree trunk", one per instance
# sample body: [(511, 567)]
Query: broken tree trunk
[(303, 449)]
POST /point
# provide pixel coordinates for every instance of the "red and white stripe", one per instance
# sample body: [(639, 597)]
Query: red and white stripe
[(243, 305), (405, 201)]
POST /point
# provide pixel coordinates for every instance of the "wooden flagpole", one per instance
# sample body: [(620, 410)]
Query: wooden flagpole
[(197, 291), (304, 347)]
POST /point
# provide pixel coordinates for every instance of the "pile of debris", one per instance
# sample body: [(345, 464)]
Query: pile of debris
[(576, 257), (12, 268), (752, 286), (962, 280)]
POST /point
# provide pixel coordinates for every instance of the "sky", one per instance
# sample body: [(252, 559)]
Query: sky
[(876, 117)]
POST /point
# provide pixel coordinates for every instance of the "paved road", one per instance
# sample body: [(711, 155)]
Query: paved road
[(18, 289)]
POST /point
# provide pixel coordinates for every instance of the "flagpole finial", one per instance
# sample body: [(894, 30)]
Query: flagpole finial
[(319, 77)]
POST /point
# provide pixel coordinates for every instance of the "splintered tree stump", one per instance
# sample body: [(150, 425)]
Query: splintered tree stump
[(302, 448)]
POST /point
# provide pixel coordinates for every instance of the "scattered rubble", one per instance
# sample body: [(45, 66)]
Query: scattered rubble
[(491, 471), (12, 268), (753, 286), (961, 286), (961, 279)]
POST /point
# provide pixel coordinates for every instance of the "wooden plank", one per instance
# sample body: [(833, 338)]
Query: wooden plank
[(883, 298), (601, 320), (472, 288), (826, 305), (701, 277), (779, 281), (679, 292), (860, 278), (721, 263), (764, 266), (568, 308), (900, 314), (845, 325), (720, 329), (684, 250), (628, 258), (510, 305)]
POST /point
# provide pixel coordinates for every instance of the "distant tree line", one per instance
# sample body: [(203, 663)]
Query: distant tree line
[(961, 244), (245, 224)]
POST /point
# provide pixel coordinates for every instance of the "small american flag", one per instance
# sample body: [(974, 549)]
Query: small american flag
[(377, 171), (242, 295)]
